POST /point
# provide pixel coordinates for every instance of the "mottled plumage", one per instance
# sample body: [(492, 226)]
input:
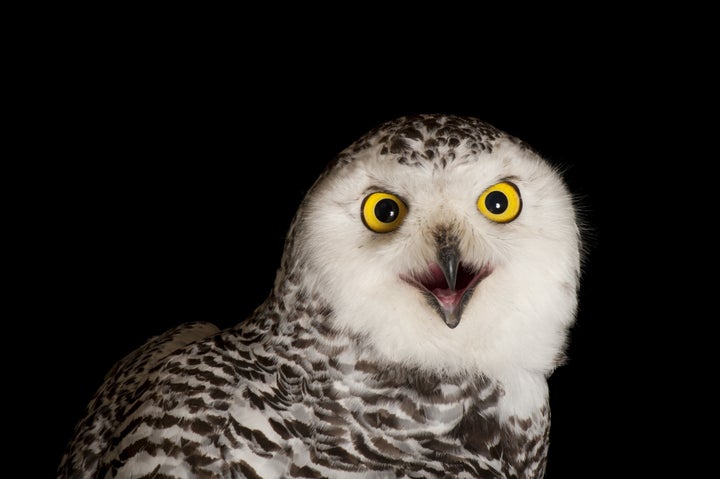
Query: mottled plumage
[(424, 296)]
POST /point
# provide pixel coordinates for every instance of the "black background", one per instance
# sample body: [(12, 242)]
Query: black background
[(176, 170)]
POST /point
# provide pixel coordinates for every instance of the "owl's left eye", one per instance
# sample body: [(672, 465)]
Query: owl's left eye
[(501, 202), (383, 212)]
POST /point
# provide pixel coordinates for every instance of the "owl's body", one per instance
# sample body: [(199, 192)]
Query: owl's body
[(424, 296)]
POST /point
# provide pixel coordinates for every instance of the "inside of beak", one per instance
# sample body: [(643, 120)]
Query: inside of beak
[(438, 283)]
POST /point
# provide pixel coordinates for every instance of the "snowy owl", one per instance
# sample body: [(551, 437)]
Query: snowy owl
[(425, 293)]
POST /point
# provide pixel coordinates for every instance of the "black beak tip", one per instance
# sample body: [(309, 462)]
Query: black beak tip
[(451, 320)]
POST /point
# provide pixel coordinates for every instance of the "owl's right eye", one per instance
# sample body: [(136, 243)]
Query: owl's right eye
[(382, 212), (501, 202)]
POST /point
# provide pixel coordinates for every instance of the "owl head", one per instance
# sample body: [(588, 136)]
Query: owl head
[(442, 242)]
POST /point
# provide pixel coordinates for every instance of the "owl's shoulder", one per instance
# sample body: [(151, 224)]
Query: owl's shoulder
[(175, 388)]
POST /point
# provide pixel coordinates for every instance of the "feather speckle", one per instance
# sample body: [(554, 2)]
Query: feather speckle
[(408, 339)]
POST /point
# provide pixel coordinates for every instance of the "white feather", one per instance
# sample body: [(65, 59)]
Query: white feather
[(515, 324)]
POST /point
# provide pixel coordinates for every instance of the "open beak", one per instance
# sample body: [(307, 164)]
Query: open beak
[(448, 283)]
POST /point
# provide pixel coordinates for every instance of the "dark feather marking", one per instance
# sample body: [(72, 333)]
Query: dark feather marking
[(227, 433), (381, 419), (198, 460), (137, 446), (184, 389), (247, 471), (156, 475), (438, 446), (411, 132), (386, 448), (201, 375), (304, 471), (398, 145), (267, 364), (342, 456), (477, 433), (219, 394), (298, 428), (214, 363), (257, 437), (302, 343), (363, 448), (255, 399), (198, 426), (195, 404), (279, 429)]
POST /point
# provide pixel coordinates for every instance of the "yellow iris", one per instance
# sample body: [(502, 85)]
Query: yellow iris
[(501, 202), (383, 212)]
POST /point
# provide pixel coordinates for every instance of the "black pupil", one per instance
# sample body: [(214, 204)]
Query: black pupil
[(386, 210), (496, 202)]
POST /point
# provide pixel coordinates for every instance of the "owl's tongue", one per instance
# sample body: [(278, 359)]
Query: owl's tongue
[(437, 285), (448, 298)]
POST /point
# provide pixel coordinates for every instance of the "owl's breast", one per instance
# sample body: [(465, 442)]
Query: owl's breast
[(370, 419), (322, 405)]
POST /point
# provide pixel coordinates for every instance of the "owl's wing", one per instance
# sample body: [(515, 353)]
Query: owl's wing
[(120, 394)]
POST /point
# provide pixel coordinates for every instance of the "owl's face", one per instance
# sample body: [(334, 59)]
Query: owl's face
[(457, 258)]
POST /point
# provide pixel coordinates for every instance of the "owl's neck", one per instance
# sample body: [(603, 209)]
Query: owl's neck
[(297, 325)]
